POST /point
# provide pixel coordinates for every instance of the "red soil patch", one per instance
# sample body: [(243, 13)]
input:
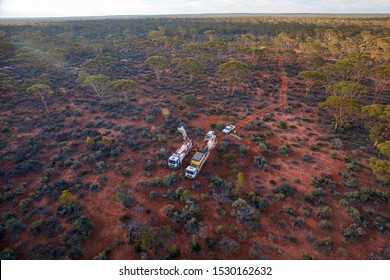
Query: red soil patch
[(276, 233)]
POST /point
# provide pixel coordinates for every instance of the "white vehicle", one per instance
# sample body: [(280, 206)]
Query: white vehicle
[(201, 156), (229, 128), (209, 135), (177, 157)]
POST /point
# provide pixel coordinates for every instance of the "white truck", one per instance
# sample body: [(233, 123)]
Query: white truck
[(229, 128), (177, 157), (201, 156)]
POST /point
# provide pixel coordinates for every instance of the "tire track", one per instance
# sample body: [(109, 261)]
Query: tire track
[(282, 96)]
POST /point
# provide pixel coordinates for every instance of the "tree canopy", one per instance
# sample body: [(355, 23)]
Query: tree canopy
[(158, 63), (42, 91), (233, 72), (377, 120), (190, 65), (99, 84), (344, 110), (124, 87)]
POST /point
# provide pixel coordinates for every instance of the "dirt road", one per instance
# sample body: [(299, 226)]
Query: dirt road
[(282, 97)]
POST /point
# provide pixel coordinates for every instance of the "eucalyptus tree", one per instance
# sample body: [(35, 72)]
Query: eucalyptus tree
[(311, 61), (376, 118), (182, 32), (158, 63), (233, 72), (35, 60), (283, 42), (381, 77), (42, 91), (100, 64), (211, 34), (190, 65), (310, 78), (218, 48), (99, 83), (7, 47), (344, 110), (124, 87), (329, 75), (347, 89), (193, 31), (353, 70), (194, 49), (7, 83), (256, 54), (381, 166)]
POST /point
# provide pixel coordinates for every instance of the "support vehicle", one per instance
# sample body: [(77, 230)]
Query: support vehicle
[(229, 128), (177, 157)]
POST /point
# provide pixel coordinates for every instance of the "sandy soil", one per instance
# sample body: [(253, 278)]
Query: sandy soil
[(275, 234)]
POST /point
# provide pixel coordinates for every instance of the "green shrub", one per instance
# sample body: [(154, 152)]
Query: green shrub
[(8, 254), (243, 150), (354, 214), (190, 99), (195, 245), (228, 158), (324, 212), (307, 213), (308, 257), (100, 166), (171, 179), (220, 125), (125, 194), (381, 169), (84, 225), (284, 150), (89, 141), (267, 117), (153, 195), (284, 189), (325, 244), (309, 236), (36, 227), (243, 211), (260, 162), (223, 146), (14, 226), (103, 255), (149, 165), (219, 229), (173, 252), (106, 141), (337, 144), (298, 222), (259, 203), (282, 124), (240, 179), (325, 225), (228, 245), (185, 196), (353, 232)]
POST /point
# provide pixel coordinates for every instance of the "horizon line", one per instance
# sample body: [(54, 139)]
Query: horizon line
[(189, 15)]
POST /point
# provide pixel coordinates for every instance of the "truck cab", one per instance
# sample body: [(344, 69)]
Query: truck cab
[(191, 172), (174, 162)]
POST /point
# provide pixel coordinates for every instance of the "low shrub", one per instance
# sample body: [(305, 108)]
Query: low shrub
[(284, 150)]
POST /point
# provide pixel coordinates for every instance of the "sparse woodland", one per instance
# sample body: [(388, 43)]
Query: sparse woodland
[(89, 111)]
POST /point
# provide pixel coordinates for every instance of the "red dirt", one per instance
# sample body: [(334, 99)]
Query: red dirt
[(105, 211), (282, 96)]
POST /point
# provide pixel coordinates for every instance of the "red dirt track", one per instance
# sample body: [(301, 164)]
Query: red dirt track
[(282, 96)]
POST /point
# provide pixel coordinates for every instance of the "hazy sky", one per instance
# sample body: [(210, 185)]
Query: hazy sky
[(47, 8)]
